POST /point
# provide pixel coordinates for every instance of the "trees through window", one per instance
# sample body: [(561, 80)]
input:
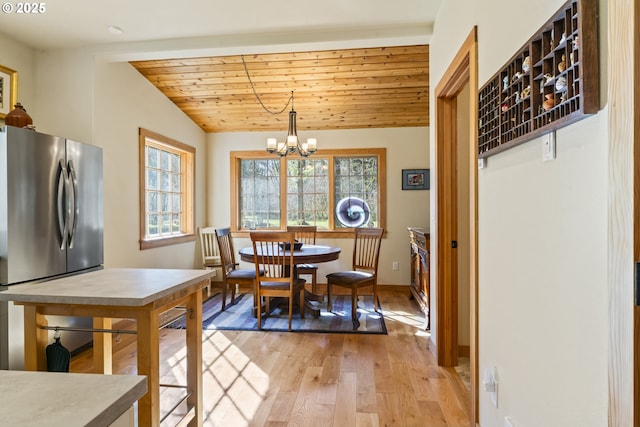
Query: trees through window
[(333, 189)]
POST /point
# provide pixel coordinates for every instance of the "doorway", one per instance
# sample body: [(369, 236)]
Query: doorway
[(460, 76)]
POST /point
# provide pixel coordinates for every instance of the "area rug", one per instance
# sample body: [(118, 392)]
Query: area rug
[(237, 316)]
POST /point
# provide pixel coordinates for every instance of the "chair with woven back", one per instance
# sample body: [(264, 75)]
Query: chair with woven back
[(279, 279), (364, 268), (307, 235), (232, 275)]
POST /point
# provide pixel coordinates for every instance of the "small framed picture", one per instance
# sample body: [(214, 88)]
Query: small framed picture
[(8, 90), (415, 179)]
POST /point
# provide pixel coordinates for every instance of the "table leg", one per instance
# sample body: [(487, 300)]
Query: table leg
[(148, 347), (194, 356), (35, 339), (102, 347)]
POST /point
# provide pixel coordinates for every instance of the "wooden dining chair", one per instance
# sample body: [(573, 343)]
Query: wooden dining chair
[(232, 275), (364, 268), (211, 259), (278, 279), (307, 235)]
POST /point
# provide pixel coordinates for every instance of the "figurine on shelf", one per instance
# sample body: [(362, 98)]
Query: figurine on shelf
[(526, 64), (562, 65), (505, 106), (576, 43), (505, 83), (561, 83), (547, 78), (572, 59), (516, 76), (563, 39), (525, 92), (518, 98), (549, 102), (563, 97)]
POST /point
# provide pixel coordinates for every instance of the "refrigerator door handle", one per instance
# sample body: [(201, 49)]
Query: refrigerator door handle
[(63, 212), (74, 207)]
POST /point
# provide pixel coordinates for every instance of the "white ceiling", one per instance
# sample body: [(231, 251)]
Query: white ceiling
[(80, 23)]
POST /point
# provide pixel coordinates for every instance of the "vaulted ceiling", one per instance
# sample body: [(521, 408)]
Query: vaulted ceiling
[(333, 89)]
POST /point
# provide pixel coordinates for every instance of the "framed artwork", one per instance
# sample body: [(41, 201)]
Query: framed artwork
[(415, 179), (8, 90)]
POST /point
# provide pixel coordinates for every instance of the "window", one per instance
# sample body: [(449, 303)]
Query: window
[(166, 191), (332, 189)]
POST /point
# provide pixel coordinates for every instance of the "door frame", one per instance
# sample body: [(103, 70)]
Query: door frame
[(462, 70)]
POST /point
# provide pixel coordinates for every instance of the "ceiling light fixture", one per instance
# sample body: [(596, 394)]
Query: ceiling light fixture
[(292, 144)]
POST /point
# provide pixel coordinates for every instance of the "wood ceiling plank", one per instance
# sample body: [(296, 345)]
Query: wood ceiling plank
[(334, 89)]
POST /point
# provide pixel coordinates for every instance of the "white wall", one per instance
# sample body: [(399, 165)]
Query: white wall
[(124, 102), (79, 96), (542, 312), (20, 58), (407, 148)]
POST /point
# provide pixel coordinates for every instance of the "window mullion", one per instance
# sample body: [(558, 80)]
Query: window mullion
[(284, 217), (332, 193)]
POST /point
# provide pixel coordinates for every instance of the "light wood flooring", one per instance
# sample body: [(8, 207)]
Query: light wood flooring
[(278, 379)]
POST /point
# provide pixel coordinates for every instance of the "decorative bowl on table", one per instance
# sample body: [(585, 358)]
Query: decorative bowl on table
[(296, 246)]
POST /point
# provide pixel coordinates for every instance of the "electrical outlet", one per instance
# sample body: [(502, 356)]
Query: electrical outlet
[(395, 266)]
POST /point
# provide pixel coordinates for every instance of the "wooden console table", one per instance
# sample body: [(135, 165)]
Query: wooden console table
[(419, 240), (140, 294)]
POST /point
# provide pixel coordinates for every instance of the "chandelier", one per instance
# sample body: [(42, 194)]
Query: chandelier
[(292, 144)]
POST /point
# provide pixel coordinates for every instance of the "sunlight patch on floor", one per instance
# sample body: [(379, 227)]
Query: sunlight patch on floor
[(234, 387)]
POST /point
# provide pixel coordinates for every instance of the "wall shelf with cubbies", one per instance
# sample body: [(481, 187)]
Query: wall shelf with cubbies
[(552, 81)]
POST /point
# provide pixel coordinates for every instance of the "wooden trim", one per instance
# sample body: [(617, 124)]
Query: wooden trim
[(635, 36), (447, 293), (462, 70), (330, 154), (187, 155), (623, 207), (464, 350), (473, 226)]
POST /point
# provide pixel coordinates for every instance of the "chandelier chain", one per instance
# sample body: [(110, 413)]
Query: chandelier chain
[(246, 70)]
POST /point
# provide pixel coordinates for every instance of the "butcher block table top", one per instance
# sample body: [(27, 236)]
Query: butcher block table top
[(133, 287), (59, 399), (139, 294)]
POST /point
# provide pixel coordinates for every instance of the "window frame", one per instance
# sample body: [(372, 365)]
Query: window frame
[(187, 155), (331, 154)]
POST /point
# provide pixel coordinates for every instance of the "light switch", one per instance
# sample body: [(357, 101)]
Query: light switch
[(549, 146)]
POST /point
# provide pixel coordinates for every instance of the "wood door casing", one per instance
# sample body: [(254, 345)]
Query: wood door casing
[(463, 70)]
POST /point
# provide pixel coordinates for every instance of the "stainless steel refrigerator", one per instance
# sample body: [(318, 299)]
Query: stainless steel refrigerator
[(51, 223)]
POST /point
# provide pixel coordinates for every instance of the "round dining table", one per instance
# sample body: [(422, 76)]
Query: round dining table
[(307, 254)]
